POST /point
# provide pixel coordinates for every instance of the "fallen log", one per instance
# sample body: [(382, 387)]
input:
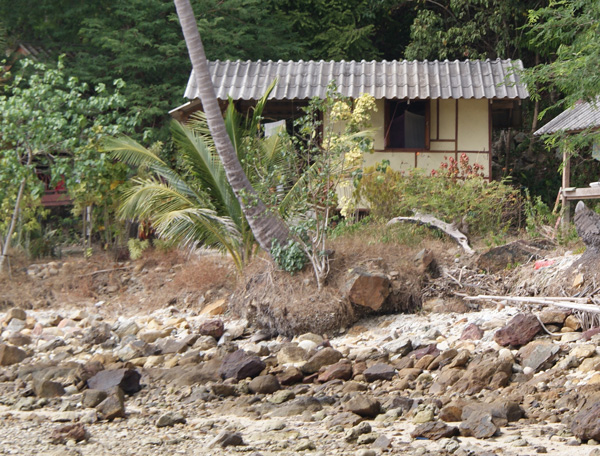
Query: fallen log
[(433, 222), (587, 314)]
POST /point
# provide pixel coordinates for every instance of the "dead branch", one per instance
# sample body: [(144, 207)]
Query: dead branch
[(433, 222)]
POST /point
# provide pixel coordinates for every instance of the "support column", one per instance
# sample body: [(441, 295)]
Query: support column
[(566, 183)]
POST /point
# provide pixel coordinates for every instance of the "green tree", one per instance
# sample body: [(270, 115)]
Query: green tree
[(54, 122), (474, 29), (140, 42), (567, 34)]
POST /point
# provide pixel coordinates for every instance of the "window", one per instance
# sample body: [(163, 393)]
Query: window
[(406, 124)]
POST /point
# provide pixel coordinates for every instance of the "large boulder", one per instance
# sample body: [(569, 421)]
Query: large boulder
[(128, 380), (367, 289), (520, 330), (586, 424), (240, 365)]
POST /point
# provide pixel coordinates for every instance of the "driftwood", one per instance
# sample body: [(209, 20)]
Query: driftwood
[(431, 221), (587, 314)]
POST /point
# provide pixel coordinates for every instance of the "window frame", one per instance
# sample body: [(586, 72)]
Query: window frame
[(388, 115)]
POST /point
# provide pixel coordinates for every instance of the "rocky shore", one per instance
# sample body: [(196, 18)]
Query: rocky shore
[(175, 382)]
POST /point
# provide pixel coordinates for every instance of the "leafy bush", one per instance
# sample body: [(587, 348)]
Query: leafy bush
[(289, 257), (137, 247), (454, 194)]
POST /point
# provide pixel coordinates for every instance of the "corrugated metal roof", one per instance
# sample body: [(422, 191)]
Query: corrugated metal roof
[(579, 117), (247, 80)]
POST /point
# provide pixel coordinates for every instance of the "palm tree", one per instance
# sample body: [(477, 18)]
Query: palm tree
[(193, 204), (265, 225)]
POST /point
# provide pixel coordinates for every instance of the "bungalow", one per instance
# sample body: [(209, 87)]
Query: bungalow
[(583, 117), (426, 111)]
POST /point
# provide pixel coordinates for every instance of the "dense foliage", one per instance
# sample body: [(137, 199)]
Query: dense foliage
[(456, 194)]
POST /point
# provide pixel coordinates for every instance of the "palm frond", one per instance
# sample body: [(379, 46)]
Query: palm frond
[(206, 166), (130, 151)]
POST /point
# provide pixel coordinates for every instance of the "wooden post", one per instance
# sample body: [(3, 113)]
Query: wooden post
[(566, 183)]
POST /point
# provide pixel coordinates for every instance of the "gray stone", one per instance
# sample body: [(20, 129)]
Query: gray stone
[(113, 406), (15, 312), (170, 419), (298, 406), (48, 388), (538, 355), (291, 353), (91, 397)]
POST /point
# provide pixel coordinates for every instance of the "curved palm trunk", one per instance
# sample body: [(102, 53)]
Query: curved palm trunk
[(264, 225)]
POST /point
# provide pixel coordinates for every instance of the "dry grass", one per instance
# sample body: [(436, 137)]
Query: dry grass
[(159, 279), (289, 305)]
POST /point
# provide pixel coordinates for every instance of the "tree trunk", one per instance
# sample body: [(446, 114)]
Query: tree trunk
[(13, 221), (264, 225)]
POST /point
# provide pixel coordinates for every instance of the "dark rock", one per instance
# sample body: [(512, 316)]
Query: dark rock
[(367, 289), (170, 419), (324, 357), (214, 328), (586, 423), (91, 397), (430, 349), (338, 371), (520, 330), (472, 332), (478, 425), (379, 371), (264, 384), (290, 376), (382, 442), (240, 365), (500, 258), (126, 379), (62, 434), (9, 354), (227, 438), (363, 405), (434, 430)]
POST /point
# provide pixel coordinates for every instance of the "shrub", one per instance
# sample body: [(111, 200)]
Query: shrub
[(455, 193)]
